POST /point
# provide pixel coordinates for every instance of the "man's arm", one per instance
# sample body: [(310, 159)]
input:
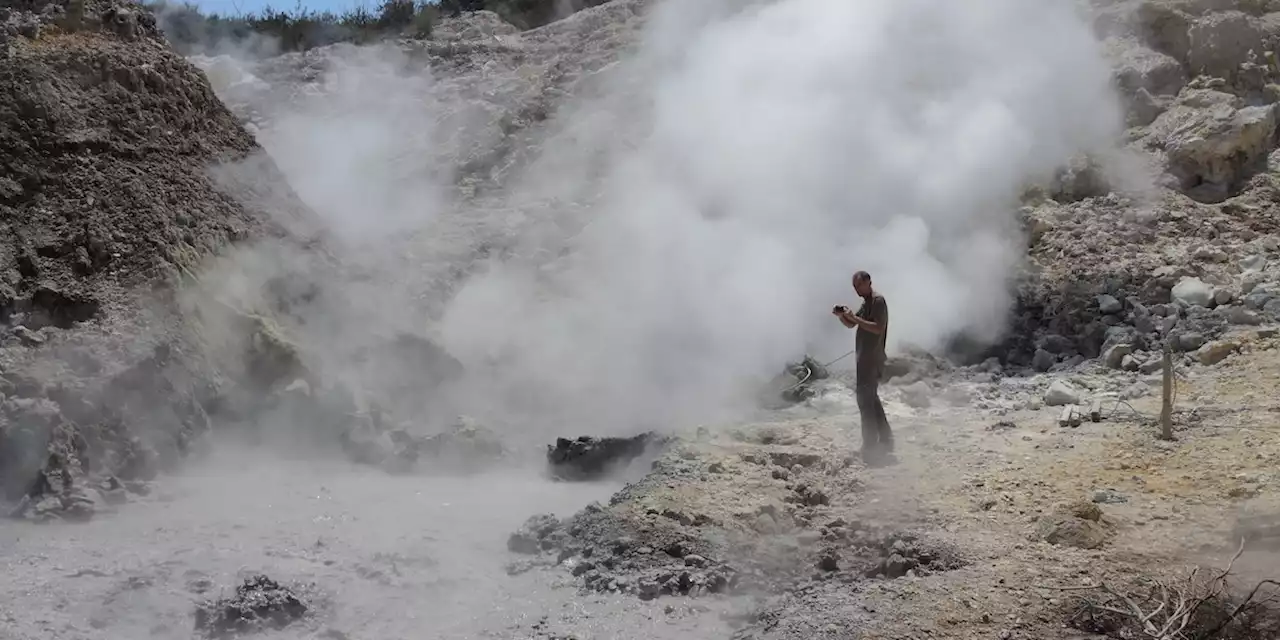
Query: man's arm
[(879, 313)]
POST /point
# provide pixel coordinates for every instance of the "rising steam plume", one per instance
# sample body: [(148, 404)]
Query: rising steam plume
[(687, 223)]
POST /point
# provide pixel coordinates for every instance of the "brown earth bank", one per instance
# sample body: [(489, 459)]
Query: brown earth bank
[(107, 145), (129, 195)]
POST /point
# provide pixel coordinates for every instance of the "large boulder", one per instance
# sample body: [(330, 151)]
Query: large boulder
[(1212, 149), (1220, 41), (1147, 79), (1138, 67)]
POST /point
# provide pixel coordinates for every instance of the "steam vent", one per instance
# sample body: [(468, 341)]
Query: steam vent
[(526, 320)]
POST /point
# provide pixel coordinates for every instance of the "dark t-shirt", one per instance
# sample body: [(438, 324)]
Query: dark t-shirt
[(871, 346)]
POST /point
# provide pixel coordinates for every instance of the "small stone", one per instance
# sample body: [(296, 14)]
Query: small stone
[(1223, 296), (1108, 496), (1253, 263), (1190, 341), (1108, 304), (1258, 299), (1129, 363), (1193, 291), (1061, 393), (1272, 307), (1236, 314), (1144, 324), (1152, 365), (1116, 354), (528, 540), (27, 336), (828, 561), (649, 590), (1215, 352)]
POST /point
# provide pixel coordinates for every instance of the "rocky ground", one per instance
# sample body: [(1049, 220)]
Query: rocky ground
[(992, 519), (997, 518)]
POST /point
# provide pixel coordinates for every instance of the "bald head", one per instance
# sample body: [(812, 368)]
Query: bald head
[(862, 283)]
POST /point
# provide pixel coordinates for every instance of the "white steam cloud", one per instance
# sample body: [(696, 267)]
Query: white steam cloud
[(790, 144), (712, 196)]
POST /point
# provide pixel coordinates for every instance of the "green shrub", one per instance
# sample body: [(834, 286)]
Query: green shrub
[(191, 31)]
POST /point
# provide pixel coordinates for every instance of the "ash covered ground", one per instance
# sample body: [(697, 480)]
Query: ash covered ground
[(466, 336)]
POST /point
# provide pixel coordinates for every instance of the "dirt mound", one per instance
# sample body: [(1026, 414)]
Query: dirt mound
[(259, 603), (114, 188)]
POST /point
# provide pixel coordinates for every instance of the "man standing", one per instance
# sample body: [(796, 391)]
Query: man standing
[(872, 324)]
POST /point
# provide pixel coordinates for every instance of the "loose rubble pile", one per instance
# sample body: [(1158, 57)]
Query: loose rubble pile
[(676, 555), (1118, 273), (620, 565), (848, 548), (259, 603), (1079, 524)]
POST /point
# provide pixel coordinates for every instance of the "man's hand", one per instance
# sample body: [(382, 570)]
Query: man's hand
[(846, 316)]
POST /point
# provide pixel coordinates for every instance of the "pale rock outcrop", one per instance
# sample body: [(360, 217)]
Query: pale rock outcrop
[(1219, 42), (1212, 143)]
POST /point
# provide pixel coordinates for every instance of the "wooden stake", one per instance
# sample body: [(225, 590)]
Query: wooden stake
[(1166, 406)]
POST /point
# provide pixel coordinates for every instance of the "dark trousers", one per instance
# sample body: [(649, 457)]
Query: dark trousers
[(877, 437)]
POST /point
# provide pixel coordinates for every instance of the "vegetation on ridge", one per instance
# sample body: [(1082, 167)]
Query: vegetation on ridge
[(192, 31)]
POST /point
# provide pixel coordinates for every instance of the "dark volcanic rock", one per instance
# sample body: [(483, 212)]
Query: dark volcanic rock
[(588, 458), (259, 602)]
